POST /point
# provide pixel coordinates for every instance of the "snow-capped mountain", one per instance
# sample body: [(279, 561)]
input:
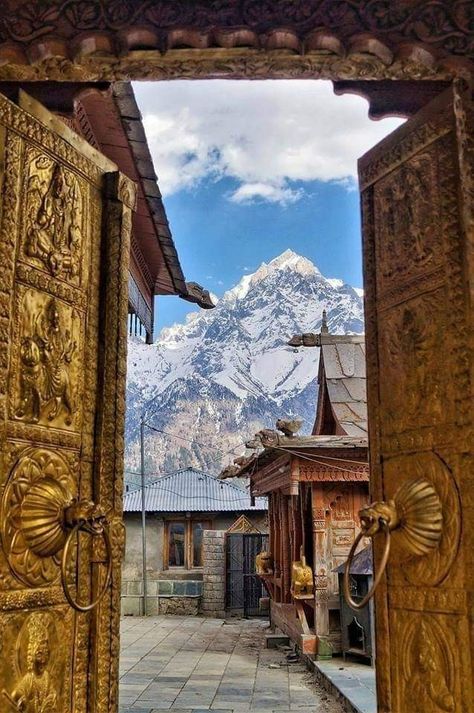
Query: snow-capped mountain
[(227, 372)]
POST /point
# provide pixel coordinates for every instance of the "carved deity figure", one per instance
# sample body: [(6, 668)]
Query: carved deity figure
[(58, 349), (45, 358), (54, 234), (427, 684), (30, 380), (411, 341), (35, 692)]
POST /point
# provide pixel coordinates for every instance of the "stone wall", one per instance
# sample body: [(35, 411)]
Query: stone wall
[(164, 596), (213, 594)]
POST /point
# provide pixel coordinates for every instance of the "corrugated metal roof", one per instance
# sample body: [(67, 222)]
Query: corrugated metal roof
[(344, 368), (191, 490)]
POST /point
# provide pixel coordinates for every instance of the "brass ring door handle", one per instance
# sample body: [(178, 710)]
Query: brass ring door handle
[(414, 515), (49, 521), (64, 562), (347, 591)]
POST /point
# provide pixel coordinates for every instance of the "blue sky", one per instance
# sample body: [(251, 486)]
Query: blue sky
[(249, 169)]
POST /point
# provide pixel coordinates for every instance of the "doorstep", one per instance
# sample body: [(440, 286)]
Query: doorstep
[(350, 681)]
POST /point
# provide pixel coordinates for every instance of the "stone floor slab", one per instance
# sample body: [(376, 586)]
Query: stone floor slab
[(173, 664)]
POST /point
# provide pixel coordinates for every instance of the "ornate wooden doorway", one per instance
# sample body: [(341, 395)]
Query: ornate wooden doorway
[(64, 232), (419, 297)]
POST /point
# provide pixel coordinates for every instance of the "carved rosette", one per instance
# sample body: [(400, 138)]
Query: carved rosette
[(430, 569), (39, 485)]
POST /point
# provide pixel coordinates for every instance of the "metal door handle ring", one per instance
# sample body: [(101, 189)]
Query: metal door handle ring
[(384, 525), (65, 558)]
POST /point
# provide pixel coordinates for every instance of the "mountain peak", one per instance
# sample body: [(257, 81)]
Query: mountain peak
[(226, 373), (288, 260)]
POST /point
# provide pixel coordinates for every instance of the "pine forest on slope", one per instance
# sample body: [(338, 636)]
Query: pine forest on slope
[(226, 373)]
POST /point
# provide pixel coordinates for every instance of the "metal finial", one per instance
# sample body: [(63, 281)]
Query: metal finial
[(324, 323)]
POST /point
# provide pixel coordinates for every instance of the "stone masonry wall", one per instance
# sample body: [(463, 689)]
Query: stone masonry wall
[(213, 594)]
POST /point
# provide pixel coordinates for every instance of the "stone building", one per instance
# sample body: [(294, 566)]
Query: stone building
[(188, 513)]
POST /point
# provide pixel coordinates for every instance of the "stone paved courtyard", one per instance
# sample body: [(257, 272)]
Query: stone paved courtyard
[(193, 664)]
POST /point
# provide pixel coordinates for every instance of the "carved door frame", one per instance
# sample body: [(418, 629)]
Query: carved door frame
[(355, 57)]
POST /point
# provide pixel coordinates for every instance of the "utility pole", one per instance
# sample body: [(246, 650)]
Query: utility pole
[(142, 473)]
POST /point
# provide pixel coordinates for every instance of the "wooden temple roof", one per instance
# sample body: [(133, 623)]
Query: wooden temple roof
[(362, 563), (338, 446), (342, 400)]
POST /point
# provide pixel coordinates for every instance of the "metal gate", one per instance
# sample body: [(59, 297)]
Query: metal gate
[(243, 586)]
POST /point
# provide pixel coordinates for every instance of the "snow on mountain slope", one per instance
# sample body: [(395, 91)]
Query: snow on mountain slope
[(227, 372)]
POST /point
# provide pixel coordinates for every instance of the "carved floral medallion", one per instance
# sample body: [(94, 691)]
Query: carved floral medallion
[(46, 475)]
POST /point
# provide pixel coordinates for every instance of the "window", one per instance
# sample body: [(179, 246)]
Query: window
[(184, 543), (176, 544)]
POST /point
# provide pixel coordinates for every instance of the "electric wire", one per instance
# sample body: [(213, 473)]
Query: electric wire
[(316, 460)]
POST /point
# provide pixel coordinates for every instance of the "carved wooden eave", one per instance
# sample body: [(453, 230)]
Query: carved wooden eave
[(138, 39), (285, 471), (306, 458)]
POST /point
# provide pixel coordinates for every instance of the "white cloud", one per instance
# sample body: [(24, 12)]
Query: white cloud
[(262, 134), (249, 192)]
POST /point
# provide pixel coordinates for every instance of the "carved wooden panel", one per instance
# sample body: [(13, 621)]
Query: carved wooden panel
[(342, 503), (64, 234), (418, 272), (110, 39)]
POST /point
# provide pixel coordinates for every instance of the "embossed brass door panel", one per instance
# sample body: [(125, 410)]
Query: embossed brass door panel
[(65, 218), (417, 195)]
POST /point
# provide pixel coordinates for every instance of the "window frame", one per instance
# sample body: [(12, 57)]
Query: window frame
[(188, 541)]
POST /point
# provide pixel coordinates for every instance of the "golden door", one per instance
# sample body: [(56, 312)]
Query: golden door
[(417, 200), (65, 221)]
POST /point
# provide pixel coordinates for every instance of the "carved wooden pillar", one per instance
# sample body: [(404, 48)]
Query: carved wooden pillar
[(286, 564), (321, 612), (276, 552)]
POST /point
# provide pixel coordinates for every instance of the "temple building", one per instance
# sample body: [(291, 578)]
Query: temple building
[(315, 487)]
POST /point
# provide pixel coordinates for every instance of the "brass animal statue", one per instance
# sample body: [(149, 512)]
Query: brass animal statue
[(289, 427), (264, 563), (302, 582)]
